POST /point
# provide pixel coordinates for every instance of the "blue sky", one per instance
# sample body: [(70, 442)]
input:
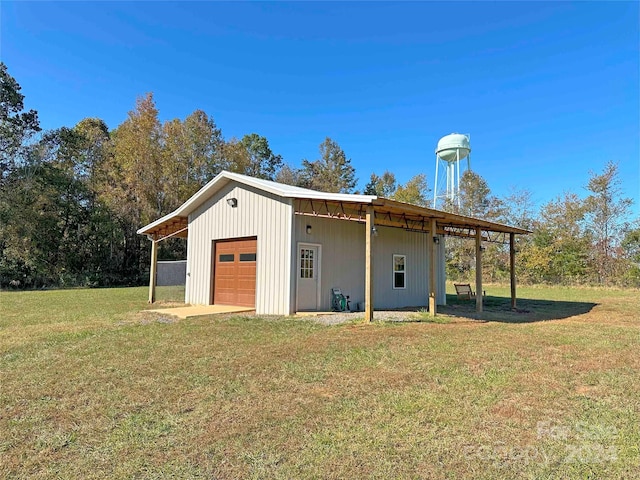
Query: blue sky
[(548, 91)]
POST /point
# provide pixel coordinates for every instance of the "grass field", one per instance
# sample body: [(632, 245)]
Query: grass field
[(92, 388)]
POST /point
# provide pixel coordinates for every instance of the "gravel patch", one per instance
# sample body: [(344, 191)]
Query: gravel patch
[(378, 315)]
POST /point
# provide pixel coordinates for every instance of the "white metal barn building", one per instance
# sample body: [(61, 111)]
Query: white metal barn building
[(281, 249)]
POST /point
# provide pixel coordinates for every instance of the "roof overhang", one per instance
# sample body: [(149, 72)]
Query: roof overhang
[(396, 214), (168, 226), (448, 222)]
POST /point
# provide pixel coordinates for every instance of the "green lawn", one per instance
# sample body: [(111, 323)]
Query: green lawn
[(92, 388)]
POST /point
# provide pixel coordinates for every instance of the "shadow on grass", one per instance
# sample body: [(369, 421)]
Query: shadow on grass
[(498, 309)]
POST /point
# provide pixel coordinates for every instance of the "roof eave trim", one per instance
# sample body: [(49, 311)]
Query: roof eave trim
[(145, 230)]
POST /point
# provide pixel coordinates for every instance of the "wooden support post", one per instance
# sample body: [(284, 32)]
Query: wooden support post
[(478, 270), (368, 281), (433, 261), (152, 270), (512, 267)]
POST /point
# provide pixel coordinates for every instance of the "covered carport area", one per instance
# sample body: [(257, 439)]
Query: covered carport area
[(436, 223)]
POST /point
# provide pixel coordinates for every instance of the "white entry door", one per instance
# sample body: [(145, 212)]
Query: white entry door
[(308, 284)]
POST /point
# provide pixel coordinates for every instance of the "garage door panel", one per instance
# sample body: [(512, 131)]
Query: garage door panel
[(235, 272), (225, 298), (247, 287)]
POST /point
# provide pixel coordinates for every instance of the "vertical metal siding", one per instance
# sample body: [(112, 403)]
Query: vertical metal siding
[(395, 241), (291, 245), (187, 284), (343, 257), (258, 214)]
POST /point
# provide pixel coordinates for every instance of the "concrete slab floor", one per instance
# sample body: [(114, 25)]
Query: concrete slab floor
[(200, 310)]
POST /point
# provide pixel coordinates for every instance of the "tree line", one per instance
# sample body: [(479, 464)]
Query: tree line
[(574, 240), (72, 199)]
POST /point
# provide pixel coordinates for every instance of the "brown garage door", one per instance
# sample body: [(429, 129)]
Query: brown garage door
[(234, 271)]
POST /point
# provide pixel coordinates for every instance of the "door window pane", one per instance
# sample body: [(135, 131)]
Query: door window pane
[(306, 263)]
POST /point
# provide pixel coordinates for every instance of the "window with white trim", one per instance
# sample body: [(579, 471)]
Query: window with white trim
[(399, 271)]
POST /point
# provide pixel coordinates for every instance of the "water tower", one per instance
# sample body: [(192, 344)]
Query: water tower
[(452, 149)]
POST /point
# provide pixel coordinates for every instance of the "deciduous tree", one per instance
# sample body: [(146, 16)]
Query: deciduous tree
[(47, 210), (631, 251), (606, 211), (476, 200), (192, 155), (134, 189), (415, 191), (560, 239), (289, 176), (16, 125), (332, 172), (136, 184), (251, 155), (382, 186), (518, 209)]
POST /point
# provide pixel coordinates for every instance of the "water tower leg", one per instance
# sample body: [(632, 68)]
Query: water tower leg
[(435, 185), (452, 178), (448, 192), (458, 176), (453, 182), (458, 184)]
